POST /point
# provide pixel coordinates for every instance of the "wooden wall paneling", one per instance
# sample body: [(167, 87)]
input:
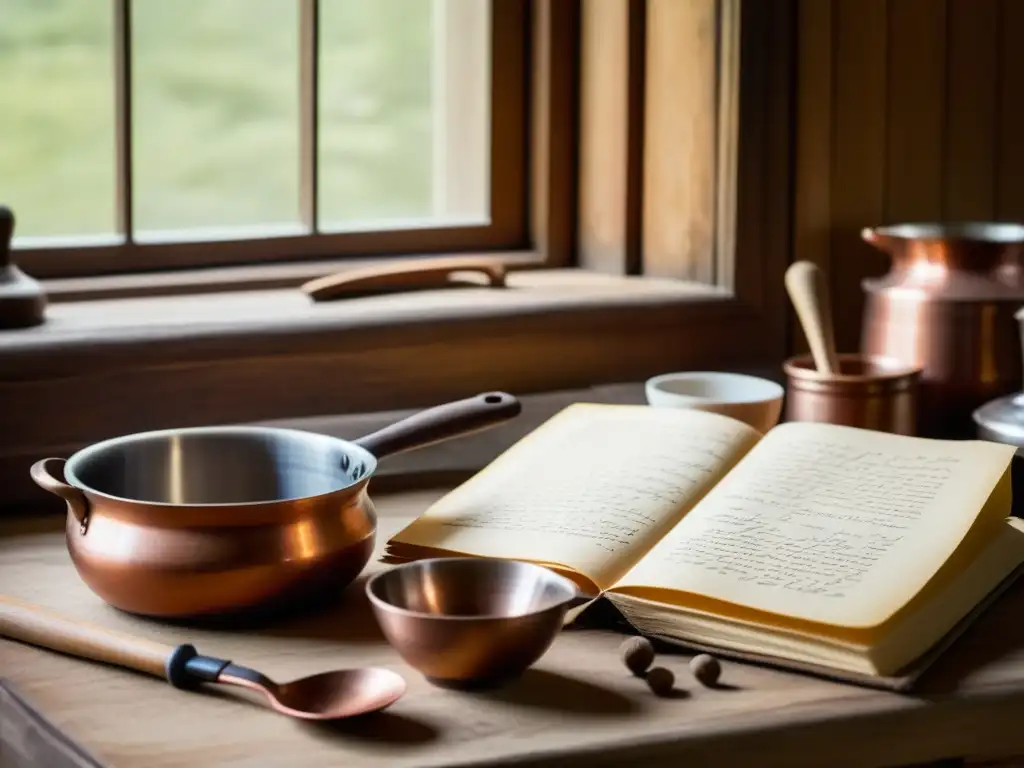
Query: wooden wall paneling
[(907, 109), (972, 80), (509, 134), (916, 110), (1010, 130), (776, 181), (612, 52), (762, 187), (553, 125), (679, 139), (730, 103), (814, 130), (858, 174)]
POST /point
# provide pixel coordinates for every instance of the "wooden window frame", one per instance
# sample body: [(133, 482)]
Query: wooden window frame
[(130, 252), (589, 317)]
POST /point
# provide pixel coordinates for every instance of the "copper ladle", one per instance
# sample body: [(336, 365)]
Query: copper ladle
[(327, 696)]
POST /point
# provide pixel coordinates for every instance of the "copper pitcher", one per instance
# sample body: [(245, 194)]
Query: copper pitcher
[(947, 305)]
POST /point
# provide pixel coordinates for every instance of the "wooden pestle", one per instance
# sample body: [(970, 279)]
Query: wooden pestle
[(22, 299), (806, 286)]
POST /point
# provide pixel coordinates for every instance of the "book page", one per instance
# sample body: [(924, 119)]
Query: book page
[(591, 489), (830, 524)]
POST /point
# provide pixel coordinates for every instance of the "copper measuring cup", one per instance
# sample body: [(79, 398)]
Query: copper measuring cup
[(470, 622)]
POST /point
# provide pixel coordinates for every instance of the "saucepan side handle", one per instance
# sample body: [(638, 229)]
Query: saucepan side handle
[(78, 505), (442, 423)]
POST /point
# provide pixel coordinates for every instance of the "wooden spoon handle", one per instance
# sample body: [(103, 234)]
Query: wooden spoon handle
[(441, 423), (809, 294), (40, 627), (408, 275)]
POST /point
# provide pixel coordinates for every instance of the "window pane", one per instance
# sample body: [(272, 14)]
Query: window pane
[(57, 116), (215, 125), (404, 112)]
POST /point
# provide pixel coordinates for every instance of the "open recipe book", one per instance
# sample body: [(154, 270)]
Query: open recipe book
[(838, 551)]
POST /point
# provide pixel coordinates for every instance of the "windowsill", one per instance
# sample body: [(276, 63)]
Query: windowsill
[(101, 368), (287, 274), (183, 329)]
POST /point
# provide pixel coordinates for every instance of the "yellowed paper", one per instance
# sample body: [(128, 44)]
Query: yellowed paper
[(592, 489), (830, 524)]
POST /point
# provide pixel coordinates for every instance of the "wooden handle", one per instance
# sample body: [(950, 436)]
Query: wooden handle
[(37, 626), (408, 275), (43, 473), (441, 423), (809, 294)]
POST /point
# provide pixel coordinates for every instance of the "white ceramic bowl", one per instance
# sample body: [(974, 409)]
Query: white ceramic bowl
[(752, 400)]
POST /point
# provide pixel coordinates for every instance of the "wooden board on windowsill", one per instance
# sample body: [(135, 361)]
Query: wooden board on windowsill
[(579, 706), (250, 277), (201, 326)]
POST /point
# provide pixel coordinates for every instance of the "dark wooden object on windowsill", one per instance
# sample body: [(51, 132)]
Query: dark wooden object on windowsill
[(22, 300), (408, 275)]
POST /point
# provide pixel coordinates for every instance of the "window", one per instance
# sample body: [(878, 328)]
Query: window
[(639, 150), (143, 134)]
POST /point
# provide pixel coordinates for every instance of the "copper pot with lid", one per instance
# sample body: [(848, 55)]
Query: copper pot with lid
[(947, 305), (206, 521)]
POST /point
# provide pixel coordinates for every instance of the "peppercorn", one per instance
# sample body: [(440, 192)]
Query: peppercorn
[(706, 669), (661, 681), (637, 654)]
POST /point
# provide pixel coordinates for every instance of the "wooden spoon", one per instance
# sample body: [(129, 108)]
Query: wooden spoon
[(327, 696), (408, 275), (806, 286)]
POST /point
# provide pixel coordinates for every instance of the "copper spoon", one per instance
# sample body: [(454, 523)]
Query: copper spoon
[(327, 696)]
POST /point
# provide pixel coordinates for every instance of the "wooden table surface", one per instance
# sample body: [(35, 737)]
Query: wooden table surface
[(576, 706)]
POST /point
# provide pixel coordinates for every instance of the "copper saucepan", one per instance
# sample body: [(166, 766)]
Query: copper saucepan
[(188, 523)]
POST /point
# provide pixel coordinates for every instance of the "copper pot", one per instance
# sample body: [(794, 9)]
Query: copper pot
[(189, 523), (870, 393), (947, 305)]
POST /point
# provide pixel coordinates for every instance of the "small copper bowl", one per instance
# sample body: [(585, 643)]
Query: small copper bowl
[(878, 393), (469, 622)]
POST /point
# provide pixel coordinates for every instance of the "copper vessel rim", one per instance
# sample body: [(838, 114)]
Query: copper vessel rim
[(222, 505), (993, 232), (572, 591), (900, 370), (95, 448)]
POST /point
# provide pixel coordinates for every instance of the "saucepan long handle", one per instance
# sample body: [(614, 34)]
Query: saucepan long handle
[(40, 627), (441, 423)]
